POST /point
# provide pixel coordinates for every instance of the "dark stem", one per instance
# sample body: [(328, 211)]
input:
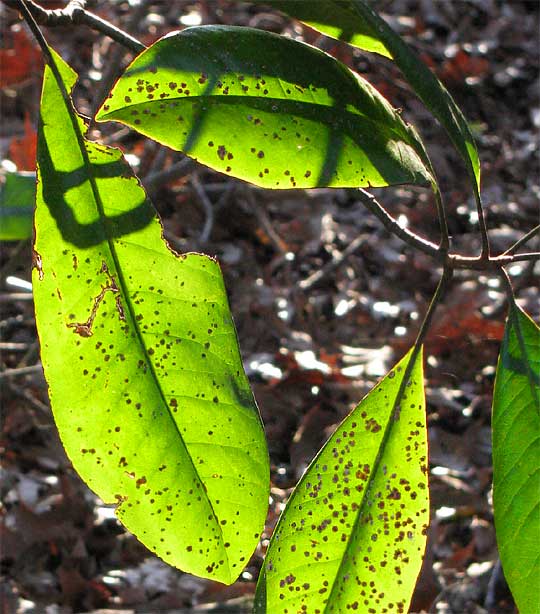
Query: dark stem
[(75, 13), (22, 7), (439, 293), (412, 239), (524, 239), (443, 222), (454, 261), (485, 254)]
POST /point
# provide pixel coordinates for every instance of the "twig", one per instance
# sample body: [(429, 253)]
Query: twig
[(391, 224), (439, 293), (159, 159), (524, 239), (529, 256), (112, 71), (30, 399), (497, 588), (332, 265), (21, 371), (443, 222), (15, 296), (175, 171), (265, 222), (485, 255), (208, 210), (75, 13), (9, 346), (454, 261), (22, 7)]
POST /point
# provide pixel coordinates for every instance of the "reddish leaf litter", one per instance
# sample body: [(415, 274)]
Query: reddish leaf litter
[(316, 330)]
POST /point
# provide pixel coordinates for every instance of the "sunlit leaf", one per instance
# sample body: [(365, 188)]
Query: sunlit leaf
[(354, 21), (17, 196), (141, 357), (516, 458), (267, 109), (353, 533)]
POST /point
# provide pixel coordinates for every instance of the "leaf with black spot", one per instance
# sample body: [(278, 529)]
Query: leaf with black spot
[(353, 533), (267, 109), (141, 357)]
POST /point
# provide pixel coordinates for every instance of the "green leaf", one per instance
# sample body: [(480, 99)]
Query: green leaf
[(266, 109), (516, 458), (335, 19), (17, 197), (356, 22), (353, 533), (141, 357)]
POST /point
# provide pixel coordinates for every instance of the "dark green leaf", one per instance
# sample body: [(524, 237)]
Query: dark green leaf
[(335, 19), (353, 533), (356, 22), (516, 458), (141, 357), (17, 197), (267, 109)]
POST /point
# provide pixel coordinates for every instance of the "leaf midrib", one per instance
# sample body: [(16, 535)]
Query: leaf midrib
[(396, 129), (416, 351)]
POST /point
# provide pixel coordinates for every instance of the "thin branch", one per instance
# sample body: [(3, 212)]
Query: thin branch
[(477, 263), (176, 171), (332, 265), (439, 293), (265, 222), (443, 222), (526, 256), (21, 371), (454, 261), (391, 224), (114, 62), (208, 210), (485, 255), (23, 8), (524, 239), (75, 13)]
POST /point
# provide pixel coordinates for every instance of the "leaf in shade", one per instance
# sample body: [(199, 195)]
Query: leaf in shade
[(141, 357), (516, 458), (266, 109), (17, 197), (354, 21), (353, 533), (334, 18)]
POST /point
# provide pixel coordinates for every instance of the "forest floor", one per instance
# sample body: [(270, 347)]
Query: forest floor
[(318, 323)]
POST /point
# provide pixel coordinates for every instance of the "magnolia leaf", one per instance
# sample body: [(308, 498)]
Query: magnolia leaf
[(353, 533), (17, 197), (140, 354), (355, 22), (516, 458), (267, 109)]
